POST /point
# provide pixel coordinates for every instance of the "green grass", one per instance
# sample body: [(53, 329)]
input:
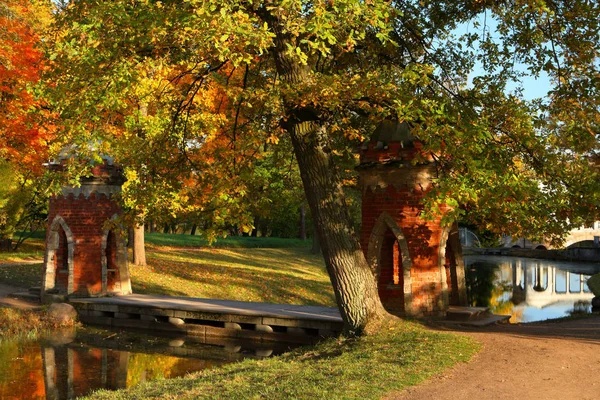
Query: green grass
[(31, 249), (259, 273), (362, 368), (291, 276), (25, 276), (183, 240)]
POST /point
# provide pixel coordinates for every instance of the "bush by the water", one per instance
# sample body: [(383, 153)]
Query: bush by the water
[(26, 323), (594, 284)]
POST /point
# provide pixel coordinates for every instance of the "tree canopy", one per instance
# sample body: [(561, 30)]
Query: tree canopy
[(187, 93), (25, 129), (22, 137)]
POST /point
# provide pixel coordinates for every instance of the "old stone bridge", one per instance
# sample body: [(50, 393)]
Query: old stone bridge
[(583, 234)]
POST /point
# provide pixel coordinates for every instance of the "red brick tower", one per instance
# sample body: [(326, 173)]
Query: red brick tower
[(406, 252), (85, 255)]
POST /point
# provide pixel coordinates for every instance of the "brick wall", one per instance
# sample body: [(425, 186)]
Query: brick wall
[(392, 184)]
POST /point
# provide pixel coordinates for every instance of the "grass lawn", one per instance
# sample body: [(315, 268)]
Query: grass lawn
[(182, 240), (32, 249), (269, 270), (364, 368), (24, 276), (291, 276)]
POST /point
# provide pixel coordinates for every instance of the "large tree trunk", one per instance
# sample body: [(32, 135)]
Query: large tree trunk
[(139, 251), (353, 281), (457, 270)]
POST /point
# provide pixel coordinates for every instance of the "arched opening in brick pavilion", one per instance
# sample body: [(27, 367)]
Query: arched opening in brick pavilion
[(58, 277), (388, 256)]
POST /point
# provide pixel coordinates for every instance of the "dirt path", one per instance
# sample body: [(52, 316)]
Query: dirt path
[(7, 301), (17, 263), (531, 361)]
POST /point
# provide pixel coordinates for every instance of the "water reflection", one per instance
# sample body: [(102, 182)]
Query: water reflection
[(70, 365), (529, 289)]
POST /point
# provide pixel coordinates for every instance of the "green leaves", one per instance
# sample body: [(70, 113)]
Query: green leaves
[(190, 96)]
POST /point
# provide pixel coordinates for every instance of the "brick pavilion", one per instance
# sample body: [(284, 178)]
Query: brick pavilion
[(85, 253), (418, 263)]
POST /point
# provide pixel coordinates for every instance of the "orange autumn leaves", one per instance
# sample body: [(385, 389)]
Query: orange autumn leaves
[(22, 138)]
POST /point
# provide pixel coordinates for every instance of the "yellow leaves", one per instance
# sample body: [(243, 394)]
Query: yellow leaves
[(246, 228), (273, 139)]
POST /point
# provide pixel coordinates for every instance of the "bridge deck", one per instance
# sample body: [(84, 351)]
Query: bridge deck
[(204, 317)]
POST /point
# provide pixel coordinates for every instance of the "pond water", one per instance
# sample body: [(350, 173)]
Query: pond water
[(72, 363), (529, 289)]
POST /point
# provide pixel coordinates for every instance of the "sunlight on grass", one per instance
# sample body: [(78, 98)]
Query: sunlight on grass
[(183, 240), (289, 276), (32, 249), (276, 275), (402, 355)]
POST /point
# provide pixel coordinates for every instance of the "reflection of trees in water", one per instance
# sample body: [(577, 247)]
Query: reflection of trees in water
[(21, 374), (480, 278), (580, 307), (498, 303), (144, 367), (485, 290)]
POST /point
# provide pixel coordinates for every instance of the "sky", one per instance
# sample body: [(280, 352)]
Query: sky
[(533, 87)]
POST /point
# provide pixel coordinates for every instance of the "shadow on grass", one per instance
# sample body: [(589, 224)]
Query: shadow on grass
[(270, 275), (362, 368), (182, 240), (284, 260), (27, 275), (231, 282), (154, 288)]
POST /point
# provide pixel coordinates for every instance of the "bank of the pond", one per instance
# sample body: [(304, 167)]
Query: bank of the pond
[(362, 368), (70, 363), (17, 323), (586, 255)]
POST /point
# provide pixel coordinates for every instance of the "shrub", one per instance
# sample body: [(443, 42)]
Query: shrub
[(594, 284)]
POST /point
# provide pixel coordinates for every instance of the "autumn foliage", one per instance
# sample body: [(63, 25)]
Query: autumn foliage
[(22, 137)]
